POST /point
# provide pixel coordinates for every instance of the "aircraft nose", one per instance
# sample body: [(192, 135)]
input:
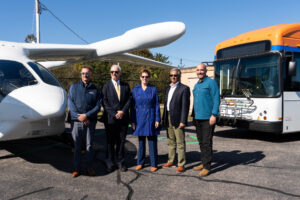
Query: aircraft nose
[(41, 100)]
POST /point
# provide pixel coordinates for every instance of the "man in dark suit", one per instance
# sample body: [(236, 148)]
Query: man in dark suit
[(116, 103), (176, 109)]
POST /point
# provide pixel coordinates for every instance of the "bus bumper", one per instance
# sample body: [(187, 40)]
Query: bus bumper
[(262, 126)]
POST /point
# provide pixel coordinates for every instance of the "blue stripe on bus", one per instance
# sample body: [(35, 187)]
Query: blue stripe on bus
[(284, 48)]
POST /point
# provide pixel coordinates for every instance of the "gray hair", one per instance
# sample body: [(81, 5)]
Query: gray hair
[(177, 70), (87, 67), (118, 66)]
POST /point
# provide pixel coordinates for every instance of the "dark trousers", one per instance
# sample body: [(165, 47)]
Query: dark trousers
[(152, 143), (116, 138), (205, 135), (82, 133)]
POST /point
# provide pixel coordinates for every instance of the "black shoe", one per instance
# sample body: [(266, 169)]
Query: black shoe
[(109, 169), (123, 168)]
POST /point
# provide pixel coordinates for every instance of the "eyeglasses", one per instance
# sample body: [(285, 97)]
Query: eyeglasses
[(173, 75), (144, 76), (116, 72), (85, 73)]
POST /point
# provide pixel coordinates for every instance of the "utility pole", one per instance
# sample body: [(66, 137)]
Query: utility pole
[(180, 65), (37, 20)]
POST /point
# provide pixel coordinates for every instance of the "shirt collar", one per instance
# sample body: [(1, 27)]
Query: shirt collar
[(85, 85), (176, 84), (114, 82), (202, 80)]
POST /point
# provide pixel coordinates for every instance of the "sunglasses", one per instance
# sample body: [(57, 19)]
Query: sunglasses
[(144, 76), (116, 72), (85, 73), (173, 75)]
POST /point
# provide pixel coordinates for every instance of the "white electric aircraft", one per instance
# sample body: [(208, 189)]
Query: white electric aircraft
[(32, 102)]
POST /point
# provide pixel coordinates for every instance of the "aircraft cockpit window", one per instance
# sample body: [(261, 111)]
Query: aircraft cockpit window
[(44, 74), (13, 75)]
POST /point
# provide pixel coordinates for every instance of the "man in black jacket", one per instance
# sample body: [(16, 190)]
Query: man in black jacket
[(176, 108), (116, 103), (84, 102)]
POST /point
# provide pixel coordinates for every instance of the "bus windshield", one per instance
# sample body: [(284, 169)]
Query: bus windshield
[(256, 76)]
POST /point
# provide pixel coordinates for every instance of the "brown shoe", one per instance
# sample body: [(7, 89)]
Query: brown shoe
[(198, 167), (75, 174), (204, 172), (139, 167), (91, 172), (154, 169), (167, 165), (180, 169)]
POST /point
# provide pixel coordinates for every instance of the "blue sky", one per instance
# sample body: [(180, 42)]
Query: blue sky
[(207, 22)]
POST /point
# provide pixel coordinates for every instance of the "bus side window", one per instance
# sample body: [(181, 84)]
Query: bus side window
[(292, 83)]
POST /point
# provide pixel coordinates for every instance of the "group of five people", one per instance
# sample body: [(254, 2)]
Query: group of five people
[(85, 100)]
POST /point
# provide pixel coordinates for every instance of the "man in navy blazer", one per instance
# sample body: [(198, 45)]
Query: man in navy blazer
[(116, 103), (176, 109)]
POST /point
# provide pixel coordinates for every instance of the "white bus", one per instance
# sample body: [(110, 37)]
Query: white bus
[(258, 74)]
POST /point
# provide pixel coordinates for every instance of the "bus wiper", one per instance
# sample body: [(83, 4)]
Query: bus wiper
[(248, 95), (234, 80)]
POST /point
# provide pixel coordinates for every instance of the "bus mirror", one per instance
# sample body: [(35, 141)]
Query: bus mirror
[(292, 68)]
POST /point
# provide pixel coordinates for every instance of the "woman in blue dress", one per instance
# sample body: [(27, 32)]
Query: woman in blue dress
[(145, 116)]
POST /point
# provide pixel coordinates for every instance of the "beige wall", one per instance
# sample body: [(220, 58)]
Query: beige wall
[(189, 78)]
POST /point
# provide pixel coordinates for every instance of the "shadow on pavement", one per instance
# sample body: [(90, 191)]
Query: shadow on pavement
[(221, 160), (224, 160), (57, 151), (240, 133), (252, 135)]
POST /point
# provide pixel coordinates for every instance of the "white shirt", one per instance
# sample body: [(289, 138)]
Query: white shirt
[(116, 82), (170, 95)]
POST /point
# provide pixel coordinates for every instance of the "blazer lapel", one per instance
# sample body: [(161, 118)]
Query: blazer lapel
[(174, 93), (114, 90), (168, 90)]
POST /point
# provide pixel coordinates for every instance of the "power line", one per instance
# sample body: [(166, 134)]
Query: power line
[(181, 58), (43, 7)]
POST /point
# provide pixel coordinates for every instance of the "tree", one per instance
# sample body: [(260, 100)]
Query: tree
[(130, 73), (143, 52), (162, 58), (30, 38)]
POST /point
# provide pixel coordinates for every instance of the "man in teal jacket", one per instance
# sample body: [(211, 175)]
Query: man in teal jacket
[(206, 110)]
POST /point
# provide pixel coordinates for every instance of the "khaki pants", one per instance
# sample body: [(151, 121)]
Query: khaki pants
[(176, 139)]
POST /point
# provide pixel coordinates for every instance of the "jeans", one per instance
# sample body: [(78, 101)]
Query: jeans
[(82, 133)]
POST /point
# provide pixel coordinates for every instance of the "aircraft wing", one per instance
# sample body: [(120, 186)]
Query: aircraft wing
[(150, 36), (54, 52), (134, 59), (125, 57)]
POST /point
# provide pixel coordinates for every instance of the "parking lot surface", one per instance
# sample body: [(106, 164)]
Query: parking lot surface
[(246, 165)]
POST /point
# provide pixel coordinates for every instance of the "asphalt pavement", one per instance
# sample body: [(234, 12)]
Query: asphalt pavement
[(246, 165)]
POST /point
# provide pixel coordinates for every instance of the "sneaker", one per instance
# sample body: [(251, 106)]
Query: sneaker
[(204, 172), (198, 167), (154, 169), (167, 165), (91, 172), (75, 174), (139, 167)]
